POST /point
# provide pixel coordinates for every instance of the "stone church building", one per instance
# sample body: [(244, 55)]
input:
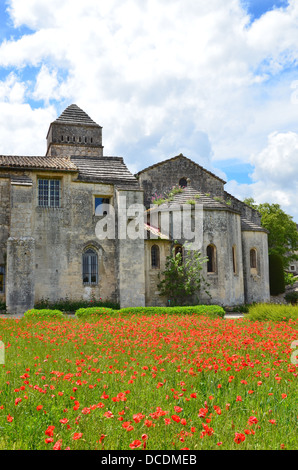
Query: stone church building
[(52, 206)]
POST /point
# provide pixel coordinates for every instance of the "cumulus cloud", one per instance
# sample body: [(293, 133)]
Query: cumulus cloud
[(161, 77), (275, 174)]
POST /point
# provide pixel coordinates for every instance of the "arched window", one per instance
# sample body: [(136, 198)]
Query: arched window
[(234, 259), (183, 182), (253, 258), (155, 257), (2, 279), (90, 267), (179, 250), (211, 263)]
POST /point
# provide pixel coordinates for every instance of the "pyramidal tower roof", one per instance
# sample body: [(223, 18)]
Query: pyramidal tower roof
[(75, 115)]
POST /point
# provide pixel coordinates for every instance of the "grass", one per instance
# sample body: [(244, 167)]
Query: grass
[(273, 312), (160, 382)]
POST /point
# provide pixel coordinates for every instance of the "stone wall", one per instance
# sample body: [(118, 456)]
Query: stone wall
[(4, 223), (256, 283), (223, 230), (130, 251), (152, 273), (67, 139), (61, 236), (20, 283)]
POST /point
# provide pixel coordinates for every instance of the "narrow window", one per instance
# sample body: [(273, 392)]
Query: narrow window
[(155, 258), (90, 267), (80, 139), (62, 138), (211, 254), (292, 268), (183, 183), (68, 138), (253, 258), (2, 279), (101, 205), (85, 140), (49, 193), (234, 259), (91, 140), (74, 138)]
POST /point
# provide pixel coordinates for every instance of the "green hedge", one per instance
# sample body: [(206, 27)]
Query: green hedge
[(45, 312), (197, 309), (70, 306), (272, 312), (86, 312)]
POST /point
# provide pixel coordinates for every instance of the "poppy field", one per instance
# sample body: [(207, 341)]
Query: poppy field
[(148, 382)]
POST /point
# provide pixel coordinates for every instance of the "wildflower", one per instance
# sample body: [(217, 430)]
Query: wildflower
[(252, 420), (136, 443), (58, 445), (239, 437), (176, 418), (9, 418), (77, 435), (50, 431)]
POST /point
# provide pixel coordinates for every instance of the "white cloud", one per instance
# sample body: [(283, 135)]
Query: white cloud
[(275, 175), (161, 76), (46, 85)]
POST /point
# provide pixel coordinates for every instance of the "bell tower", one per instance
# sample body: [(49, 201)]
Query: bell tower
[(74, 133)]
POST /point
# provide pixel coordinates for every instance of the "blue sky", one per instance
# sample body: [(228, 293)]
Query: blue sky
[(216, 81), (257, 8)]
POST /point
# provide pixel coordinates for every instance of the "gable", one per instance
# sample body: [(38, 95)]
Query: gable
[(160, 178)]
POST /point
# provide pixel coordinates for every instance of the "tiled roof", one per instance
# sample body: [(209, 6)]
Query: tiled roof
[(175, 158), (104, 169), (51, 163), (75, 115), (191, 194), (249, 226), (93, 169)]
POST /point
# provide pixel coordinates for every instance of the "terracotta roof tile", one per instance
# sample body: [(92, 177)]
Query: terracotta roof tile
[(51, 163)]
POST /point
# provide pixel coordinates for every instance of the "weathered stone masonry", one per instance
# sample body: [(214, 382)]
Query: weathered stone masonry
[(46, 233)]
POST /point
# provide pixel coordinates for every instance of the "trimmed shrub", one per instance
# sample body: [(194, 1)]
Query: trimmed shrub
[(70, 306), (197, 309), (292, 297), (272, 312), (276, 275), (86, 312), (34, 312)]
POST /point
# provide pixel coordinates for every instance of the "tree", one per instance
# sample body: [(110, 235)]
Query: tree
[(182, 278), (283, 234), (276, 274)]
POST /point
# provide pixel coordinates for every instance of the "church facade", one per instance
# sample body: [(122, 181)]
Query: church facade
[(77, 224)]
